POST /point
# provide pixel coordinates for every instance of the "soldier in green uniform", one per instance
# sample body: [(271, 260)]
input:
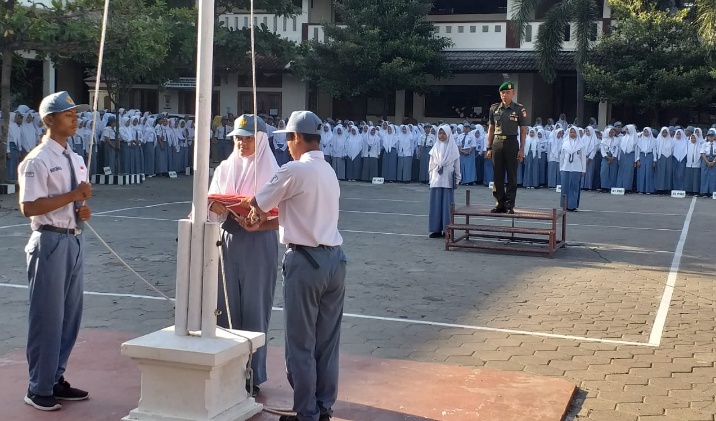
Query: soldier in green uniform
[(507, 120)]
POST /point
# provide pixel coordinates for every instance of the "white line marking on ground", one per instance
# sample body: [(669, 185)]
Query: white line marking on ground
[(397, 320), (146, 218), (657, 329), (13, 226), (156, 205)]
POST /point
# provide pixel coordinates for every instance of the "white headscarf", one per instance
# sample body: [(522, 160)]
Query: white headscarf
[(445, 153), (28, 133), (628, 141), (13, 131), (680, 146), (388, 139), (125, 132), (646, 142), (238, 175), (355, 142)]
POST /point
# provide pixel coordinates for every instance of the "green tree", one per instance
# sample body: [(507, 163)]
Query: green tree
[(706, 20), (60, 30), (651, 61), (381, 46), (583, 14)]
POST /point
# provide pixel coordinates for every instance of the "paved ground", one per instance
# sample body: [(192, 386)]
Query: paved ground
[(588, 315)]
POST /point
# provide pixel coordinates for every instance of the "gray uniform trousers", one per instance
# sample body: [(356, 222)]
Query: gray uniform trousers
[(251, 267), (313, 311), (55, 271)]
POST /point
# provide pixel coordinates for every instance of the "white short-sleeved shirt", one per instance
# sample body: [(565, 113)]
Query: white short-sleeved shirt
[(46, 173), (307, 194)]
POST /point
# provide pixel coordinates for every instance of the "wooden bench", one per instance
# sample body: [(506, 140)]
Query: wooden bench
[(490, 235)]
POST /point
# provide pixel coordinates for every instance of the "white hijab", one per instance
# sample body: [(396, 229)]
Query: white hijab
[(355, 142), (445, 153), (243, 176), (680, 146)]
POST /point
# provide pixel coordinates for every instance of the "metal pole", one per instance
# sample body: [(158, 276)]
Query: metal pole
[(204, 81)]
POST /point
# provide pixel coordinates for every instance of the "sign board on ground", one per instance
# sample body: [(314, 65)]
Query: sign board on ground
[(679, 194), (559, 188), (172, 174), (618, 191), (378, 180), (107, 171)]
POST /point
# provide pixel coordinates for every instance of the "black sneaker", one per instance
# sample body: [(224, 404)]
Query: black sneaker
[(435, 235), (288, 418), (325, 417), (63, 391), (43, 403)]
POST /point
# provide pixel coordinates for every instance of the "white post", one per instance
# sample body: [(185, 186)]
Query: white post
[(49, 83), (211, 276), (181, 306), (204, 69)]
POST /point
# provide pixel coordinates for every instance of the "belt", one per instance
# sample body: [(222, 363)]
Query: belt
[(504, 137), (70, 231), (305, 253)]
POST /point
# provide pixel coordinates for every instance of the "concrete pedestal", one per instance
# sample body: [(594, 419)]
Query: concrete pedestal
[(193, 378)]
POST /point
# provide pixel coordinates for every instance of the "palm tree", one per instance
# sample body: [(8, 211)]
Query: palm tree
[(583, 14)]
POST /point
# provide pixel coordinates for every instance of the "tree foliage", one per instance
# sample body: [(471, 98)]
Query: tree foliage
[(380, 47), (651, 60)]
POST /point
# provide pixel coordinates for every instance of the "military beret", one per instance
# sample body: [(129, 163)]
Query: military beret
[(507, 86)]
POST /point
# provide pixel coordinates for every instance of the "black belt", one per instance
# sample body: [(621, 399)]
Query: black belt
[(305, 253), (70, 231), (504, 137)]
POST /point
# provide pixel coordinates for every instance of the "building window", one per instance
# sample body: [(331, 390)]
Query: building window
[(266, 20), (437, 29), (275, 24), (236, 22), (460, 29), (567, 33), (294, 23), (284, 23), (470, 102), (315, 33), (473, 29), (594, 33), (448, 29), (246, 21), (485, 28), (528, 33), (374, 106), (498, 28)]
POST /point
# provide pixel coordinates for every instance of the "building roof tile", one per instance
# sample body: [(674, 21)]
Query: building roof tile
[(503, 61)]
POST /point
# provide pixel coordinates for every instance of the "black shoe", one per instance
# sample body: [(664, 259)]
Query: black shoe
[(288, 418), (253, 392), (325, 417), (510, 211), (63, 391), (435, 235), (43, 403), (498, 209)]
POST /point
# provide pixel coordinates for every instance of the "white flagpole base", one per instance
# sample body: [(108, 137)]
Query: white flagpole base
[(193, 378)]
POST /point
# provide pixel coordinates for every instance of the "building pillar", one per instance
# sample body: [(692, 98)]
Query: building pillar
[(49, 83), (607, 12), (399, 107), (418, 107), (229, 94), (603, 114)]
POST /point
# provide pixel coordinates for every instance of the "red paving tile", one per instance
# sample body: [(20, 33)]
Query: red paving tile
[(371, 389)]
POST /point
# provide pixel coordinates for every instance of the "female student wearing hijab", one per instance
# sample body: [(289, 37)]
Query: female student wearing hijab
[(531, 176), (137, 152), (480, 146), (250, 257), (610, 159), (590, 139), (126, 136), (389, 140), (645, 152), (161, 152), (404, 145), (13, 145), (354, 147), (111, 144), (370, 153), (326, 140), (663, 154), (279, 145), (445, 175), (338, 152), (554, 154), (572, 167), (149, 141), (681, 144), (424, 145), (28, 134), (543, 144), (692, 176), (182, 146), (466, 146), (708, 171), (627, 158)]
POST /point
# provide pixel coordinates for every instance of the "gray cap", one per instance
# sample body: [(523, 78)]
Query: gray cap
[(711, 131), (690, 128), (59, 102), (618, 123), (244, 125), (304, 122)]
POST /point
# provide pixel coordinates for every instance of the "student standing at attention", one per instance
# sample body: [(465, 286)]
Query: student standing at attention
[(444, 169), (52, 190)]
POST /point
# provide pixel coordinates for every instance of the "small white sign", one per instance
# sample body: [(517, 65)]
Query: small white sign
[(618, 191), (713, 196), (679, 194), (558, 189), (172, 174), (187, 171), (378, 180), (492, 185), (107, 171)]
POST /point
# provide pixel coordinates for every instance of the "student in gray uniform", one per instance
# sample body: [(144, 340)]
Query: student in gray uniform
[(52, 189), (306, 192)]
